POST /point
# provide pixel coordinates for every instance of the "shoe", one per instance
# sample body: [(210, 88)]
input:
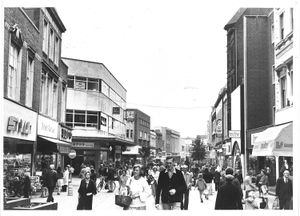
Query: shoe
[(201, 200)]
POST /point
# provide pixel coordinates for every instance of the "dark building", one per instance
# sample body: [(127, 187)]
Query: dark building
[(249, 77)]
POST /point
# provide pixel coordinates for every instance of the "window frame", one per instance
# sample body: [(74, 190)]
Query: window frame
[(29, 81)]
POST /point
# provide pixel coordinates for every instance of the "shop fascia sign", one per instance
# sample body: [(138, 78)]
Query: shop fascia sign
[(234, 133), (83, 144), (47, 127), (65, 134), (219, 127), (129, 115), (19, 125)]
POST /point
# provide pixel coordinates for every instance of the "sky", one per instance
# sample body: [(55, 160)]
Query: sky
[(169, 55)]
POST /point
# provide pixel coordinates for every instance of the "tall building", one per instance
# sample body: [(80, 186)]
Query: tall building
[(171, 140), (274, 145), (249, 80), (95, 111), (34, 89)]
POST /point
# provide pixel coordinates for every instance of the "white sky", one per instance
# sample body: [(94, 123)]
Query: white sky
[(166, 53)]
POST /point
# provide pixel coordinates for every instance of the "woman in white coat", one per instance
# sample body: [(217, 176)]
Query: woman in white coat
[(65, 179)]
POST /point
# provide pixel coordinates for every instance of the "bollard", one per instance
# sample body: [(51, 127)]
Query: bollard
[(70, 190)]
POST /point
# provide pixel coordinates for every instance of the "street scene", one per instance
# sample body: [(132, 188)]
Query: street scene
[(100, 113)]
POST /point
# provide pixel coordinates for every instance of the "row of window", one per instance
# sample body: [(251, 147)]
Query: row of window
[(144, 123), (97, 85), (144, 135), (51, 42), (83, 118)]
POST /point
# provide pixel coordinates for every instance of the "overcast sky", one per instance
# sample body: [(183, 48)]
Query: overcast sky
[(170, 55)]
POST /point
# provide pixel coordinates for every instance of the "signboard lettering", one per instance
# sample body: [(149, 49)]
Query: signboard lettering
[(234, 134), (65, 134), (116, 110), (83, 144), (19, 125)]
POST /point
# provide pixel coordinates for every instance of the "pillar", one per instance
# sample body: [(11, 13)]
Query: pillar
[(277, 167)]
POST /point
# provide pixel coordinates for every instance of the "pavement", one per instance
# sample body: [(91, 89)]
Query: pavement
[(106, 201)]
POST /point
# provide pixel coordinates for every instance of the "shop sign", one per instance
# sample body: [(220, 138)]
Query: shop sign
[(18, 121), (83, 144), (19, 125), (129, 115), (47, 127), (64, 149), (116, 110), (72, 154), (219, 127), (65, 134), (234, 134)]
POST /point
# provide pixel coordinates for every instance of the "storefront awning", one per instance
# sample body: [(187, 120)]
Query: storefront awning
[(60, 146), (274, 141), (132, 150)]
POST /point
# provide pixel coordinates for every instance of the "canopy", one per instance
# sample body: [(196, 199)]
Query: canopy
[(132, 150), (274, 141)]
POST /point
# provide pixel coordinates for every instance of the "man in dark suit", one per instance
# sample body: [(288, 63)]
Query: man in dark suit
[(51, 179), (171, 186), (284, 190)]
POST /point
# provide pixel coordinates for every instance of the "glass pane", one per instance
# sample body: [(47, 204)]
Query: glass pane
[(71, 82), (92, 119), (79, 112), (92, 113), (91, 125), (69, 118), (79, 124), (93, 86), (80, 118)]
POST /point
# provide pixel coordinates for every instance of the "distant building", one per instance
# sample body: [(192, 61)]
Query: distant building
[(171, 140), (95, 110)]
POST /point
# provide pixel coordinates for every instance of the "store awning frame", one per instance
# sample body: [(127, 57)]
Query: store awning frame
[(274, 141), (60, 146)]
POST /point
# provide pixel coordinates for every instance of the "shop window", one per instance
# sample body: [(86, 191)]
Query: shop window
[(93, 84), (70, 81), (14, 72)]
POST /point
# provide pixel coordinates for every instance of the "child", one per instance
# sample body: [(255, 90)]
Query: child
[(201, 185)]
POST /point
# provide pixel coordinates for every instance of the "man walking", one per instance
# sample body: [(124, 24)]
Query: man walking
[(171, 185), (229, 196), (284, 190), (51, 179), (189, 181)]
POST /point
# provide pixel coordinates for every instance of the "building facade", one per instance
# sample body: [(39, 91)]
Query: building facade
[(95, 111), (249, 85), (34, 89), (170, 141)]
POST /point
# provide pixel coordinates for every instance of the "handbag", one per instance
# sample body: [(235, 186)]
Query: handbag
[(275, 205), (123, 201)]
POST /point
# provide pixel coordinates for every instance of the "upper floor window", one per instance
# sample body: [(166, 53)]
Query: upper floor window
[(283, 91), (292, 19), (281, 25), (56, 51), (45, 37), (93, 84), (127, 133), (29, 81), (63, 102), (51, 44), (14, 72)]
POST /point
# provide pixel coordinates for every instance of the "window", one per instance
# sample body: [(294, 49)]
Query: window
[(45, 37), (103, 121), (49, 96), (281, 23), (43, 100), (56, 51), (54, 100), (70, 81), (283, 91), (29, 81), (93, 84), (51, 44), (127, 133), (272, 33), (131, 133), (112, 123), (182, 148), (79, 118), (80, 83), (14, 73), (141, 134), (145, 135), (92, 119), (63, 102), (70, 118)]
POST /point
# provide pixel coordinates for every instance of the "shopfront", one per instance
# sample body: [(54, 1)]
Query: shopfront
[(274, 146), (19, 136), (49, 148)]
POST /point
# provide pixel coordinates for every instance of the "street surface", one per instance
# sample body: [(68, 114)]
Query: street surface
[(104, 201)]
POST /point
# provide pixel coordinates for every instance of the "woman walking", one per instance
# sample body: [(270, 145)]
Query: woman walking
[(86, 191), (201, 185), (59, 180), (65, 179), (139, 189)]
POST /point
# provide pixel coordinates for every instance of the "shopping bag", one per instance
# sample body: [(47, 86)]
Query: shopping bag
[(123, 201), (275, 205)]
